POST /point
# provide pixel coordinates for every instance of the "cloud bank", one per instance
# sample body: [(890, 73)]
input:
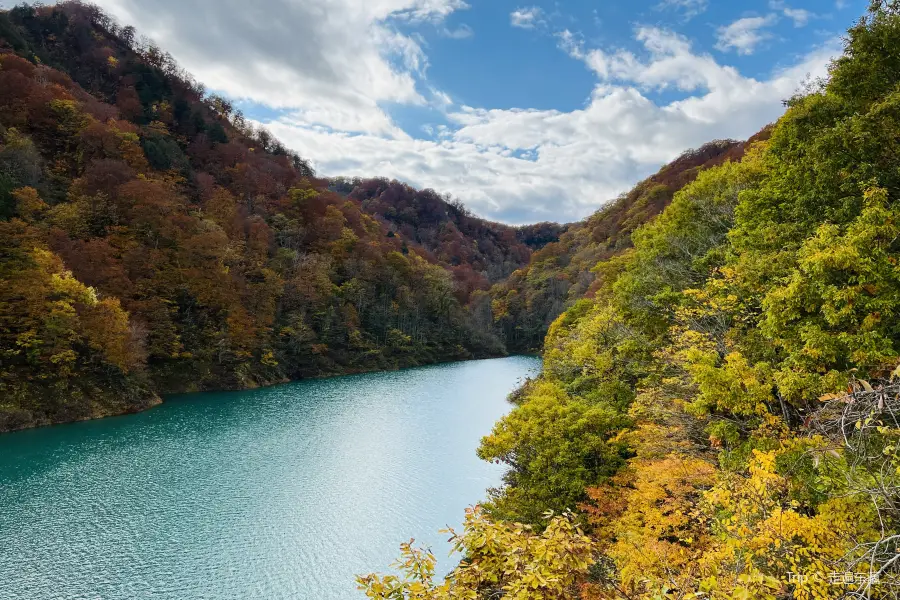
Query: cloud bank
[(328, 68)]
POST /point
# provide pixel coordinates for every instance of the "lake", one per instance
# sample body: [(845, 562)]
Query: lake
[(285, 492)]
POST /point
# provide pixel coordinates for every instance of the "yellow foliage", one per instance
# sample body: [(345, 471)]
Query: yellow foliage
[(506, 560), (28, 203), (661, 535)]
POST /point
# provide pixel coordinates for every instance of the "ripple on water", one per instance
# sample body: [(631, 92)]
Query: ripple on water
[(285, 492)]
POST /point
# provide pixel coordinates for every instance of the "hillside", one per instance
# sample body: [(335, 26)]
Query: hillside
[(154, 242), (478, 252), (563, 272), (719, 420)]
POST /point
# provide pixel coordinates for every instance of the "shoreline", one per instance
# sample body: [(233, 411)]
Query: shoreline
[(159, 399)]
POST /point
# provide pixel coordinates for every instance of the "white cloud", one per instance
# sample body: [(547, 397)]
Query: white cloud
[(417, 10), (671, 64), (526, 165), (744, 35), (800, 16), (330, 65), (689, 8), (333, 62), (526, 18), (460, 33), (571, 43), (439, 98)]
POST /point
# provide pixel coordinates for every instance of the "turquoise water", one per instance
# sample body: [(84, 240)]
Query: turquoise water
[(286, 492)]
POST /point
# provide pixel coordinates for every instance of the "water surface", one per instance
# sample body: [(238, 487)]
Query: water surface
[(285, 492)]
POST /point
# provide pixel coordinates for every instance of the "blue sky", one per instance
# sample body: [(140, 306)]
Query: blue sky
[(503, 66), (526, 111)]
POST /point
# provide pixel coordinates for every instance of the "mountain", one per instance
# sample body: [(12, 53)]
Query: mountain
[(562, 272), (152, 241), (478, 252)]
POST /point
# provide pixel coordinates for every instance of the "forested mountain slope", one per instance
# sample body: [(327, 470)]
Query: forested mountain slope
[(722, 414), (562, 271), (478, 252), (154, 242)]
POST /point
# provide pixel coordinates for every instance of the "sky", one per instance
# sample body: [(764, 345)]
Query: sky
[(524, 111)]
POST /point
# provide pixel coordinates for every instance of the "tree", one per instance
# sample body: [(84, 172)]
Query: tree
[(555, 447), (499, 560)]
